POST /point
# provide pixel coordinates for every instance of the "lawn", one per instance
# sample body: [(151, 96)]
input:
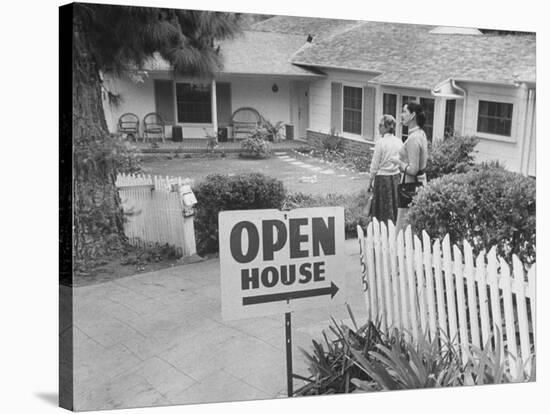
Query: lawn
[(328, 179)]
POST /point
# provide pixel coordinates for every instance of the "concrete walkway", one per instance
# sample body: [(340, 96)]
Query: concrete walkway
[(159, 339)]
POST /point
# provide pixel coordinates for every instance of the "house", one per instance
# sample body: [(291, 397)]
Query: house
[(257, 73), (323, 75)]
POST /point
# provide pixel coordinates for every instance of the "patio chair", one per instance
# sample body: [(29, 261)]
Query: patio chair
[(153, 125), (128, 124), (244, 121)]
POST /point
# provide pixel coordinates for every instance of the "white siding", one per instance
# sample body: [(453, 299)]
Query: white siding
[(249, 91), (319, 94), (506, 150), (256, 92), (137, 98)]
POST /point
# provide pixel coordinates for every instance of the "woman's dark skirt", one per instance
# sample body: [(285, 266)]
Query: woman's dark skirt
[(384, 199)]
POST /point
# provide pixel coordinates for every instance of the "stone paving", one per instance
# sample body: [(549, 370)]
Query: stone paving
[(159, 339)]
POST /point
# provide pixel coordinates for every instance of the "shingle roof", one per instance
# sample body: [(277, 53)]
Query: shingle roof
[(319, 28), (263, 53), (255, 52), (409, 55)]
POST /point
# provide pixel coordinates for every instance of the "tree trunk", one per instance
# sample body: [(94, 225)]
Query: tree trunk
[(98, 218)]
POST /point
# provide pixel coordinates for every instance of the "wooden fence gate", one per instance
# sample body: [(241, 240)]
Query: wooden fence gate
[(154, 212), (421, 287)]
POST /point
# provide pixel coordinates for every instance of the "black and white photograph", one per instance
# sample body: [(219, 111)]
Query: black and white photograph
[(271, 206), (260, 205)]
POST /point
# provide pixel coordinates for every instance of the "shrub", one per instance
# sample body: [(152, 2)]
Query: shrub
[(452, 155), (240, 192), (255, 147), (487, 206), (354, 206), (333, 142)]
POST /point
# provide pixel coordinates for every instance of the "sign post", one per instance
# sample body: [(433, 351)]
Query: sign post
[(275, 262), (288, 340)]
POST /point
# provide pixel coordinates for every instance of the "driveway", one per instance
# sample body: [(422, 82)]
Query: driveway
[(159, 339), (298, 173)]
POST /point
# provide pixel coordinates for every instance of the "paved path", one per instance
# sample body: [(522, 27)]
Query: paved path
[(158, 339)]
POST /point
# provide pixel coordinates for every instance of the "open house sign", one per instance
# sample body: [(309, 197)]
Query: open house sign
[(279, 261)]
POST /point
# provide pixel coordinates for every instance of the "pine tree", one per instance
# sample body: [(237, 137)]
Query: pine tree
[(113, 39)]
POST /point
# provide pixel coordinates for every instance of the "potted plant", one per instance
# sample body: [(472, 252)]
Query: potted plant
[(272, 131)]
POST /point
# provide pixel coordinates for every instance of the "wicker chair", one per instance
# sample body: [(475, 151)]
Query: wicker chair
[(128, 124), (244, 121), (153, 126)]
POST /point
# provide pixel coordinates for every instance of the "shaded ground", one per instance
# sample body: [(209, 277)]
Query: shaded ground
[(159, 339), (288, 173), (115, 270)]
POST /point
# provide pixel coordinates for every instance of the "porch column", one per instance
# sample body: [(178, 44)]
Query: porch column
[(439, 118), (214, 110)]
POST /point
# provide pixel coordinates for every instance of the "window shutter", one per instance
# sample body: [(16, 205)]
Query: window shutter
[(369, 103), (164, 100), (223, 103), (336, 107)]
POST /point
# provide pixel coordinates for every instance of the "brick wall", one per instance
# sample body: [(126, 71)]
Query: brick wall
[(355, 147)]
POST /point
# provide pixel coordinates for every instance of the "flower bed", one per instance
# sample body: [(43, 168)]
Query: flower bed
[(339, 159)]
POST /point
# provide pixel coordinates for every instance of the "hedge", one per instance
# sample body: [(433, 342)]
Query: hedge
[(488, 206), (220, 192), (454, 154)]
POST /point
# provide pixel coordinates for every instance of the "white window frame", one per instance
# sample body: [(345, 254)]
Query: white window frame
[(358, 137), (499, 99), (189, 124), (416, 93)]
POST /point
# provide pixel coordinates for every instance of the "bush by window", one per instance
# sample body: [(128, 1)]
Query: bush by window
[(487, 206), (452, 155)]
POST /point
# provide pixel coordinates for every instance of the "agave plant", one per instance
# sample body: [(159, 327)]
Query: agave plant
[(331, 368), (491, 365), (403, 365)]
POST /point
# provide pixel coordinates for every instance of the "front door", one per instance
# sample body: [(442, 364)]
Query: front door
[(300, 116)]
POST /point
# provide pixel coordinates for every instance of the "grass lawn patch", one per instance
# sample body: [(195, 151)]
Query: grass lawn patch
[(294, 177)]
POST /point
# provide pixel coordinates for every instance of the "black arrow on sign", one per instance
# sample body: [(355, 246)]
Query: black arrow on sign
[(276, 297)]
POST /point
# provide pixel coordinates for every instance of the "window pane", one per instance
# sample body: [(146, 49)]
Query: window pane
[(495, 118), (193, 103), (390, 104), (450, 107), (404, 100), (353, 105), (428, 107)]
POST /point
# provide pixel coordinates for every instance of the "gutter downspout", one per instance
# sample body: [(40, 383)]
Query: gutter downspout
[(465, 94), (528, 129)]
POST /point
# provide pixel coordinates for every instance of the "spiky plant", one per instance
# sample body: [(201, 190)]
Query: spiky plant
[(406, 365)]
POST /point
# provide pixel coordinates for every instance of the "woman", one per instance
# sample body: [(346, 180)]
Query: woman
[(384, 173), (413, 156)]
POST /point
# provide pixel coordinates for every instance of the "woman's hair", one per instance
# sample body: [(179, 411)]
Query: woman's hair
[(416, 108), (389, 123)]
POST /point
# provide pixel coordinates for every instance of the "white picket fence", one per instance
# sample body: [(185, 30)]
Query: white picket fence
[(420, 287), (155, 212)]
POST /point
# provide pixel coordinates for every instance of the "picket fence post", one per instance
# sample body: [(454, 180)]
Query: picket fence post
[(422, 288)]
